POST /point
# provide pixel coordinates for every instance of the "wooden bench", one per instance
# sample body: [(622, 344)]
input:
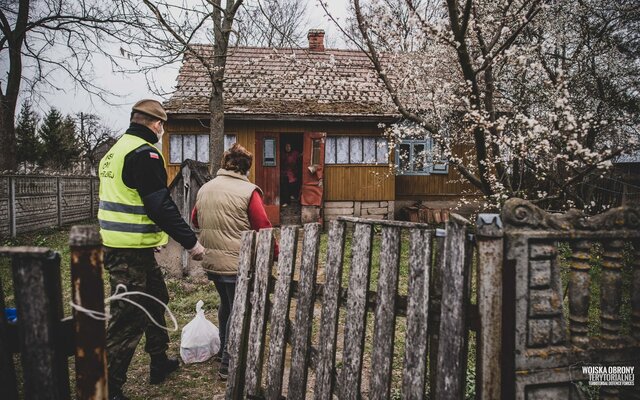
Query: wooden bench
[(321, 329)]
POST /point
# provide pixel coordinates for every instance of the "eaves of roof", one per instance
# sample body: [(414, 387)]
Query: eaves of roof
[(328, 117)]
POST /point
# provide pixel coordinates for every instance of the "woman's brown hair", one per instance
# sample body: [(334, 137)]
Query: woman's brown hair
[(237, 158)]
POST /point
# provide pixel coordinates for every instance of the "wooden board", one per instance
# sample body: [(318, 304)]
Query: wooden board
[(280, 311), (329, 319), (355, 325), (268, 177)]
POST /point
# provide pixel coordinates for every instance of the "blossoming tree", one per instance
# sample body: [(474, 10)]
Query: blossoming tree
[(543, 95)]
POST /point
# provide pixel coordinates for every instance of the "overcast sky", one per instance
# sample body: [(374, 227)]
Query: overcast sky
[(133, 87)]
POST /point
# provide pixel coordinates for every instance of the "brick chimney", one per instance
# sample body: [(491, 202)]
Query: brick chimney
[(316, 40)]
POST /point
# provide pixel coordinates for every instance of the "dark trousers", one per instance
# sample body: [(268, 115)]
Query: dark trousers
[(289, 189), (227, 292), (138, 271)]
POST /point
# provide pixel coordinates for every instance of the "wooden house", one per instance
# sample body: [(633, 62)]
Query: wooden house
[(627, 174), (328, 104)]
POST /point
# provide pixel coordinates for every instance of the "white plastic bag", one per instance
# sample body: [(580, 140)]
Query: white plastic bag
[(200, 339)]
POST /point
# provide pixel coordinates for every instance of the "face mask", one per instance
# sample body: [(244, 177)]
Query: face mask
[(160, 134)]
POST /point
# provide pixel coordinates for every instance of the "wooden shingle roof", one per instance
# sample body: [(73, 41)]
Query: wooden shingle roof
[(285, 83)]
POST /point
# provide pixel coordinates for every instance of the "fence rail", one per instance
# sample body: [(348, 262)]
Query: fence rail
[(32, 202)]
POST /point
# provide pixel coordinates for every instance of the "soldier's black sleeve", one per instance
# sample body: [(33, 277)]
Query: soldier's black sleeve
[(145, 172)]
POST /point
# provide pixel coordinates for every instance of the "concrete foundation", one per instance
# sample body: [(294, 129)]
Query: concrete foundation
[(363, 209)]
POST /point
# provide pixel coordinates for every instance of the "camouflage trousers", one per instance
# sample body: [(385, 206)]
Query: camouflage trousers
[(137, 270)]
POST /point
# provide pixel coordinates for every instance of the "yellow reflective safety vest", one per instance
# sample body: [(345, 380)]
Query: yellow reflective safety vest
[(123, 221)]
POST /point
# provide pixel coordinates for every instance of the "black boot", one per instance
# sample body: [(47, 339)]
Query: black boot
[(161, 367), (218, 356)]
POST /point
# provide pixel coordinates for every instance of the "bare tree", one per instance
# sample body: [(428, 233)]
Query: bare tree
[(39, 41), (272, 23), (167, 31), (92, 136), (163, 32)]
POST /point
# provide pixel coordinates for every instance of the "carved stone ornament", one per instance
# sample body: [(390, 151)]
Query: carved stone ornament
[(522, 213)]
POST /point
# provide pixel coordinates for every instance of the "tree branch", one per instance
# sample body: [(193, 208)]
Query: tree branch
[(375, 59)]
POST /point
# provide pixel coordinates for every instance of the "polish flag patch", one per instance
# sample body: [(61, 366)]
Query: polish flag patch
[(154, 155)]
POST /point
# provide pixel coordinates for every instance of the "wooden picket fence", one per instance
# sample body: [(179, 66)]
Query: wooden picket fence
[(43, 336), (338, 366), (296, 335)]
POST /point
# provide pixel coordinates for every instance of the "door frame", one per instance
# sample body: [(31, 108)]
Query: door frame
[(312, 188)]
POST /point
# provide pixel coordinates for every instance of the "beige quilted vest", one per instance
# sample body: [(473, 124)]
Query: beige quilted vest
[(222, 216)]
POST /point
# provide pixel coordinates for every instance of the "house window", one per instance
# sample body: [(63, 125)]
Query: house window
[(356, 150), (269, 152), (229, 140), (342, 149), (193, 147), (417, 157), (315, 154)]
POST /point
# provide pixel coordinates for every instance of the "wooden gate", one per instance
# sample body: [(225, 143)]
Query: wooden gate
[(42, 336), (330, 361)]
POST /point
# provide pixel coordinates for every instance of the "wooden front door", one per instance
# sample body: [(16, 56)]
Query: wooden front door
[(312, 176), (267, 162)]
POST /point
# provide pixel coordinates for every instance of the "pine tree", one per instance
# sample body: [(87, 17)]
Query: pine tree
[(59, 137), (29, 147), (70, 140)]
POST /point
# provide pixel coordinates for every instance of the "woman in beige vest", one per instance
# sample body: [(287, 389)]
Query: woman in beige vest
[(226, 206)]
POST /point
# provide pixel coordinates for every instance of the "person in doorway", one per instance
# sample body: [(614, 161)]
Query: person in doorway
[(136, 216), (290, 178), (226, 206)]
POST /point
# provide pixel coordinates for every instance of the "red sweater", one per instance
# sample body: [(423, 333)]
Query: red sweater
[(257, 217)]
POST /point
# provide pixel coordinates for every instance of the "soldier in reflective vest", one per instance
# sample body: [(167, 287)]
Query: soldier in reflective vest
[(137, 215)]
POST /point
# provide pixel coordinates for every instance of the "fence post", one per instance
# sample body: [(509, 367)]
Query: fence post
[(8, 381), (450, 379), (12, 206), (37, 322), (87, 291), (53, 288), (239, 319), (489, 239), (59, 200), (435, 299)]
